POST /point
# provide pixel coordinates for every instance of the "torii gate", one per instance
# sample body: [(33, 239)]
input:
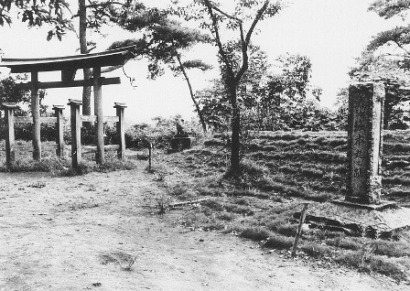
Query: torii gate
[(68, 66)]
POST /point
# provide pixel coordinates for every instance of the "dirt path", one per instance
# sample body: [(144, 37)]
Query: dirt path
[(95, 232)]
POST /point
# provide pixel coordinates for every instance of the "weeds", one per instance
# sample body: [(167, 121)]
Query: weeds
[(255, 234), (163, 203), (38, 185), (371, 264), (278, 242), (316, 250), (124, 260), (61, 167)]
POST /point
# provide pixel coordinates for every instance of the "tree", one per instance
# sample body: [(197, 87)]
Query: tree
[(282, 101), (36, 13), (57, 13), (182, 67), (214, 103), (213, 16), (288, 91), (387, 59), (164, 41), (342, 105), (11, 92), (94, 16), (82, 35)]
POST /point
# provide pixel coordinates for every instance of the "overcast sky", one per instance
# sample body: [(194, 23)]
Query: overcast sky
[(330, 32)]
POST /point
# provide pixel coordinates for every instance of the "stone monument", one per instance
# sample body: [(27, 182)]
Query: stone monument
[(181, 139), (363, 212), (365, 125)]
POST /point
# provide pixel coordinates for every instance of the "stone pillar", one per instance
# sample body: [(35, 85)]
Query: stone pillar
[(58, 110), (35, 111), (75, 132), (365, 125), (120, 129), (98, 110), (9, 107)]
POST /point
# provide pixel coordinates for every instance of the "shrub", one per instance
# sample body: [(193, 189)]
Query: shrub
[(372, 263), (316, 250), (256, 234), (278, 242)]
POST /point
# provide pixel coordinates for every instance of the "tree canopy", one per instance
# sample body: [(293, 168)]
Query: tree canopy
[(387, 59)]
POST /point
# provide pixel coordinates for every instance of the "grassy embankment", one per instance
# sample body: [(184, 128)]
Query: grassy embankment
[(282, 171)]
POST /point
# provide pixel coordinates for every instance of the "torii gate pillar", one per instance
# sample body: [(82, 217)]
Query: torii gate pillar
[(98, 111), (35, 111)]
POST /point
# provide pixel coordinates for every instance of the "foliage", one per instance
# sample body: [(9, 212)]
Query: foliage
[(342, 111), (60, 17), (269, 101), (159, 133), (215, 18), (161, 41), (36, 13), (10, 91), (386, 60), (164, 41), (58, 14), (295, 76), (388, 9)]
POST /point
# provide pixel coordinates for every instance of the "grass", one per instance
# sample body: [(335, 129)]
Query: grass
[(62, 167), (255, 234), (372, 264), (316, 250), (281, 171), (278, 242)]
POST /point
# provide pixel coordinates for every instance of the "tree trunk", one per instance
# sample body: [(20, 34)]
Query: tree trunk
[(191, 92), (82, 12), (235, 168)]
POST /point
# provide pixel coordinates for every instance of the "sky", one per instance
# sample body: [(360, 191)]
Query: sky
[(332, 33)]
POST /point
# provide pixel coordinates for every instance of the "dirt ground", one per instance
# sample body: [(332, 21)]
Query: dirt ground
[(98, 231)]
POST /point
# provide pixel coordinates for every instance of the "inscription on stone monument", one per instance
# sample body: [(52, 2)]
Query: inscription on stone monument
[(364, 143)]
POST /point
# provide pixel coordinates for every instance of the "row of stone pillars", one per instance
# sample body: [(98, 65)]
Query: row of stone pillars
[(76, 123)]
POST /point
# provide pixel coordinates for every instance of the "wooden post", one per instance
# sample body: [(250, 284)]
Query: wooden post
[(35, 109), (98, 111), (75, 132), (120, 129), (299, 231), (149, 156), (10, 154), (58, 109)]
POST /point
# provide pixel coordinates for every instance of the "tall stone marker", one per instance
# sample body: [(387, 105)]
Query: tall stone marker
[(365, 125)]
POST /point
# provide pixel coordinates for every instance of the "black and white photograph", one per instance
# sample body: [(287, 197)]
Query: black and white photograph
[(221, 145)]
